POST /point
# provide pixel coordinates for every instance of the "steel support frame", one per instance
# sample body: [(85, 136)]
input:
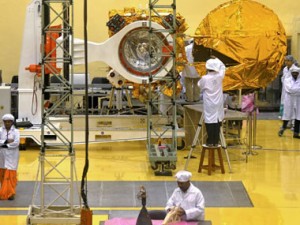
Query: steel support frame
[(162, 152), (56, 173)]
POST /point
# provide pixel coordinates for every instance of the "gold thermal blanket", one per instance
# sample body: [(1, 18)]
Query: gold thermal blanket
[(250, 34)]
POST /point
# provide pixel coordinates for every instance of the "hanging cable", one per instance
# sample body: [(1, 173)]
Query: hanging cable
[(86, 166), (34, 100)]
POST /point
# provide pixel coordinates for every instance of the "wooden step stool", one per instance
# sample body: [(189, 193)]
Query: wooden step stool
[(211, 166)]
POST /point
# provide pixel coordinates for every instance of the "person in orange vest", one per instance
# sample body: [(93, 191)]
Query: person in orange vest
[(9, 157)]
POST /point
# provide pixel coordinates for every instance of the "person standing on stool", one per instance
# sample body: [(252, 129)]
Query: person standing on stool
[(211, 86), (9, 157)]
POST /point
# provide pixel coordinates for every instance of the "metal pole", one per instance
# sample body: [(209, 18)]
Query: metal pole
[(194, 141), (66, 213), (224, 146), (254, 146), (249, 135)]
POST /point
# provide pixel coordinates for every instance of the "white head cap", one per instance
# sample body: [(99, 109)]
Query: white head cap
[(183, 176), (295, 69), (213, 64), (289, 58), (8, 117)]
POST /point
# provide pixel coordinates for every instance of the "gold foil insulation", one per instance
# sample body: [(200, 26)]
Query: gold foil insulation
[(131, 15), (249, 33)]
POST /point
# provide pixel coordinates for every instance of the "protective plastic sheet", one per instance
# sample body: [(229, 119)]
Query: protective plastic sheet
[(250, 34)]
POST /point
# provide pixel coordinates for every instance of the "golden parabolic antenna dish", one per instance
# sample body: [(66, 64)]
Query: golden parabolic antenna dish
[(248, 37)]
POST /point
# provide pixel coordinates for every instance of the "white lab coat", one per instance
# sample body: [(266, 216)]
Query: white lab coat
[(190, 71), (192, 201), (9, 157), (295, 92), (190, 77), (285, 73), (289, 99), (211, 86)]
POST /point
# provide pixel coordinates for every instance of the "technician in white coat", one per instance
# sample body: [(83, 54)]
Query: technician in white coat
[(211, 86), (289, 62), (188, 198), (190, 77), (9, 159), (294, 91), (289, 101)]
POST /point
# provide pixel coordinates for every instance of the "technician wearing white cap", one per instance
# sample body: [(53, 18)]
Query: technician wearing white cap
[(287, 103), (211, 86), (289, 61), (9, 157), (187, 198)]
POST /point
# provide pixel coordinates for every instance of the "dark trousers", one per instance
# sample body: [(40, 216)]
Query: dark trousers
[(213, 133), (285, 123), (297, 127)]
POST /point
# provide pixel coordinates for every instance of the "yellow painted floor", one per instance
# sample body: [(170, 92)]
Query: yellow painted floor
[(271, 175)]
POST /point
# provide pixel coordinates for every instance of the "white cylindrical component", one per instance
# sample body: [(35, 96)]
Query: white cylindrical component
[(119, 99)]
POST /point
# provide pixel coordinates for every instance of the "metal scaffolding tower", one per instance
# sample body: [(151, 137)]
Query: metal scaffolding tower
[(56, 175), (162, 151)]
